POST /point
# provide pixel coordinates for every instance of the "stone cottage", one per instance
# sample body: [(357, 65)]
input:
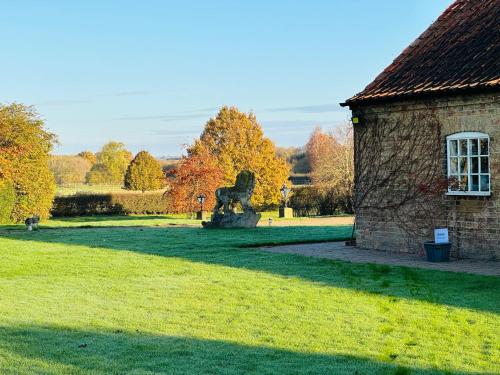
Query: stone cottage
[(433, 115)]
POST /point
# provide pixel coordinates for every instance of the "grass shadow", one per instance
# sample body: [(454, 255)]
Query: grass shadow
[(58, 350), (226, 247)]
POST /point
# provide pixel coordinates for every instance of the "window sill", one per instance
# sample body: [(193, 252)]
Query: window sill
[(469, 194)]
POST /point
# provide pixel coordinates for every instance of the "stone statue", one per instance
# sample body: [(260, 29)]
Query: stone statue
[(32, 222), (228, 197)]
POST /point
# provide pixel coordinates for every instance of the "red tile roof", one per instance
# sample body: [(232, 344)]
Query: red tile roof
[(460, 50)]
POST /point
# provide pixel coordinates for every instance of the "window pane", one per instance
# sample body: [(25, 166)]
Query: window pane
[(485, 183), (473, 146), (453, 148), (463, 166), (453, 165), (463, 147), (474, 165), (475, 183), (484, 164), (464, 183), (484, 146)]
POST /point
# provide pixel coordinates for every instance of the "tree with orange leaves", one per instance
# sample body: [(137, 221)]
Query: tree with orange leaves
[(196, 174), (237, 141), (332, 162)]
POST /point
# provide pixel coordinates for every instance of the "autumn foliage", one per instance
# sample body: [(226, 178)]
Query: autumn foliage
[(111, 164), (332, 162), (24, 157), (89, 156), (144, 173), (237, 142), (69, 169), (196, 174)]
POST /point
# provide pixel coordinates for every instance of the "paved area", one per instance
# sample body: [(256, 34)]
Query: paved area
[(338, 250)]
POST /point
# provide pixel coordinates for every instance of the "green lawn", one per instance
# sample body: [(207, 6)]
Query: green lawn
[(132, 221), (184, 300)]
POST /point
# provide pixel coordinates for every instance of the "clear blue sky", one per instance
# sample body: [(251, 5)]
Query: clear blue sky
[(150, 73)]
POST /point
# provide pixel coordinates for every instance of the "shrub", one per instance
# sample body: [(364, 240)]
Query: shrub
[(144, 173), (112, 203), (312, 201), (7, 201), (305, 201)]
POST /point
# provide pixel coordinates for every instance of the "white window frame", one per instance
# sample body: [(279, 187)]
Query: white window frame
[(469, 136)]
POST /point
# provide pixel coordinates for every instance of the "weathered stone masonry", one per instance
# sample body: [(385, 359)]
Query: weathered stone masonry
[(474, 221)]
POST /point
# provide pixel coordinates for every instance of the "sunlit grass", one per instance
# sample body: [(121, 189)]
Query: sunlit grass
[(135, 220), (181, 300)]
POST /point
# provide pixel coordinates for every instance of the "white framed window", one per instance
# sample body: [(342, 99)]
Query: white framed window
[(468, 163)]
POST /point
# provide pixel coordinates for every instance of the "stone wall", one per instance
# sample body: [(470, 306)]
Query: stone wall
[(474, 222)]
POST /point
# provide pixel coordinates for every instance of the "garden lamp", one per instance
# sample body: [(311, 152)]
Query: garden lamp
[(201, 200)]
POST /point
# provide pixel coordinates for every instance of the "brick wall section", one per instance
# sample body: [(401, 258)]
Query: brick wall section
[(475, 224)]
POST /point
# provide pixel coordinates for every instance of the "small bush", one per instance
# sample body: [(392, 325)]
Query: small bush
[(111, 204), (7, 201), (305, 201)]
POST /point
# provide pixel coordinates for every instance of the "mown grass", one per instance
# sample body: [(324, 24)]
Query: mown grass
[(133, 221), (180, 300)]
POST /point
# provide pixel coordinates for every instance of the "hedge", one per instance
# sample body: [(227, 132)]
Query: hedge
[(111, 204), (305, 201), (309, 201)]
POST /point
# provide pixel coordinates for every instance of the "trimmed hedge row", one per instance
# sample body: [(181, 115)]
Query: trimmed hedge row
[(110, 204), (305, 201), (309, 201)]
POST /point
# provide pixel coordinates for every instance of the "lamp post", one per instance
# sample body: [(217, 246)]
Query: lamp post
[(201, 201), (285, 211)]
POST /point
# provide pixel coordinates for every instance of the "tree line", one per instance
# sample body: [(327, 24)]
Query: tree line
[(113, 165), (230, 142)]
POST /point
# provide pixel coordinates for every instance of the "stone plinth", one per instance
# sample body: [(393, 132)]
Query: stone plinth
[(233, 220), (286, 212), (202, 215)]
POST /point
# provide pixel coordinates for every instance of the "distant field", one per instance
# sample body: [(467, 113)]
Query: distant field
[(87, 189)]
